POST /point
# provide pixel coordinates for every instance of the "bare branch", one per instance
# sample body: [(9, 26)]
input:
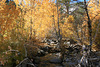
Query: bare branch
[(95, 16), (11, 51), (24, 60), (25, 51)]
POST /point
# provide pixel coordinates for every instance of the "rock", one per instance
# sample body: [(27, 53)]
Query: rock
[(46, 48), (70, 64), (68, 43), (55, 41), (52, 42), (36, 60), (41, 53), (59, 66), (58, 55), (55, 50), (68, 59), (55, 60), (72, 41), (78, 46), (70, 49)]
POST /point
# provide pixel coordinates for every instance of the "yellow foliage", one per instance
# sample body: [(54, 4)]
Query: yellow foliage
[(40, 18), (67, 28), (8, 14), (70, 18)]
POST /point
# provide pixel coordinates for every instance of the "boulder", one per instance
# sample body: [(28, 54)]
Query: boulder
[(40, 53), (36, 60), (55, 60), (54, 50), (46, 48)]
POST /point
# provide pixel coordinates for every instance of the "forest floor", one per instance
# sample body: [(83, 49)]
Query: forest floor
[(72, 57)]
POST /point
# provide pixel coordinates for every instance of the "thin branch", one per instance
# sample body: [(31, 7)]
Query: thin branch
[(11, 51), (95, 16), (32, 63), (25, 50), (23, 61)]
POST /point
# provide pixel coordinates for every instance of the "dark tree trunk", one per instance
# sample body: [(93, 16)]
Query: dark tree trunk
[(89, 25), (67, 7)]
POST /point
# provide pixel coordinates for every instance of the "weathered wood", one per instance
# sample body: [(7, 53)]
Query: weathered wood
[(25, 63)]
